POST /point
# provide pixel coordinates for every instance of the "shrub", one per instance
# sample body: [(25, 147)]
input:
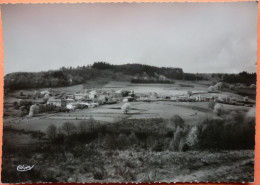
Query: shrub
[(177, 121), (123, 141), (192, 138), (15, 104), (218, 109), (177, 137), (125, 108), (158, 146), (133, 139), (109, 142), (211, 104), (237, 131), (51, 132), (92, 122), (68, 127), (83, 126), (99, 173), (125, 172)]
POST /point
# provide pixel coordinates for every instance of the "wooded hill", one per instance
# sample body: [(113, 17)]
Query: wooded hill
[(67, 76)]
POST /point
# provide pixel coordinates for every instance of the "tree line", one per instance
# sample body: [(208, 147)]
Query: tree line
[(67, 76), (137, 69), (243, 77)]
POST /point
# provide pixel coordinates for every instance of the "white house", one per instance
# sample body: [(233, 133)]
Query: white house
[(201, 98), (71, 106), (93, 94)]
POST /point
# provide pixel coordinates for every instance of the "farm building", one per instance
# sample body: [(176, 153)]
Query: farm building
[(93, 94), (45, 92), (80, 96), (69, 100), (201, 98), (57, 102), (182, 98), (103, 98), (70, 96)]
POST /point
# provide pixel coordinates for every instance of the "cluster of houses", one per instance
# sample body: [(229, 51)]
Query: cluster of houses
[(88, 98), (196, 97), (93, 98)]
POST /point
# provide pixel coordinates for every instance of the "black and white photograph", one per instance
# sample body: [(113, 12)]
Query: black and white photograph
[(129, 92)]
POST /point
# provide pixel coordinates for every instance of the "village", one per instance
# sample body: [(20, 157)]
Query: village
[(32, 103)]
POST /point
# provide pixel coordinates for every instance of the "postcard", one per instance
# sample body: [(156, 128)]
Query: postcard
[(129, 92)]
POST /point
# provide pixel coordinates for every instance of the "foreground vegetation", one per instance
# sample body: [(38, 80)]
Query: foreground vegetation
[(141, 150)]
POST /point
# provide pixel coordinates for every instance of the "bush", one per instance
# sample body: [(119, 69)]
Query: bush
[(178, 136), (68, 127), (51, 132), (211, 104), (235, 132), (158, 146), (218, 109), (123, 141), (125, 108), (177, 121), (99, 173), (109, 142), (83, 126), (133, 139)]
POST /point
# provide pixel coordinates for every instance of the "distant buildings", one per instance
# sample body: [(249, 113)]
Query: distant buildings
[(57, 102), (80, 96)]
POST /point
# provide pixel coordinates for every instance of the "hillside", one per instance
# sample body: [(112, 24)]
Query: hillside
[(81, 75), (72, 76)]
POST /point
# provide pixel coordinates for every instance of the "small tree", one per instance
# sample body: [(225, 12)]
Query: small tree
[(211, 103), (34, 109), (189, 93), (176, 140), (83, 126), (218, 109), (123, 141), (109, 142), (133, 139), (91, 122), (46, 97), (125, 108), (51, 132), (177, 121), (68, 127)]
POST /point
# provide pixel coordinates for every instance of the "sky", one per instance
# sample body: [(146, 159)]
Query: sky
[(197, 37)]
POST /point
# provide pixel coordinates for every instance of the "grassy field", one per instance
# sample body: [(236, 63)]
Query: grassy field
[(191, 112)]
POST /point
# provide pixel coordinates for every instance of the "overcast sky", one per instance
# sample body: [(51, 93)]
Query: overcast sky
[(198, 37)]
